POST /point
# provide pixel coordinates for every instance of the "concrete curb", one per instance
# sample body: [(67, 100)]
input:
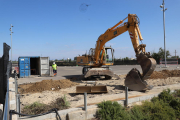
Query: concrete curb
[(80, 114)]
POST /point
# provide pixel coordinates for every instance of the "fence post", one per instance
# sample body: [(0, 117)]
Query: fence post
[(177, 63), (85, 101), (126, 96)]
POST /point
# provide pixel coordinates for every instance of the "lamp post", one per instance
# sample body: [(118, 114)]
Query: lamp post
[(163, 6), (11, 41)]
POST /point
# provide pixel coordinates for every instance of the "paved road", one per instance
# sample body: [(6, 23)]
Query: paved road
[(68, 72)]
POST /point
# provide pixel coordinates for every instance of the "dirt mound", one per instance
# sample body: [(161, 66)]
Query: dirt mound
[(51, 85), (165, 74)]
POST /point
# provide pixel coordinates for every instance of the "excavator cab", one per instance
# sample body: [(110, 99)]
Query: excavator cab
[(108, 56), (108, 59)]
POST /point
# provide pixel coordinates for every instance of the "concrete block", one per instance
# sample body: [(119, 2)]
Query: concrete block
[(153, 95), (132, 100), (47, 116), (63, 112), (92, 106), (12, 96), (143, 98), (82, 115), (14, 117), (121, 102)]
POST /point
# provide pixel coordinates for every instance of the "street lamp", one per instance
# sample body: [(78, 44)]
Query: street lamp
[(163, 6), (11, 41)]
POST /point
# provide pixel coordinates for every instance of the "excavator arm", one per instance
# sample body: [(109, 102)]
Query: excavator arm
[(134, 32), (134, 80)]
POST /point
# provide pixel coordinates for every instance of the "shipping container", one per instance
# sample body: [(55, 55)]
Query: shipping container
[(33, 65)]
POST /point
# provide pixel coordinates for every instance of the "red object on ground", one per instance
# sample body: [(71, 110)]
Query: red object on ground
[(17, 70)]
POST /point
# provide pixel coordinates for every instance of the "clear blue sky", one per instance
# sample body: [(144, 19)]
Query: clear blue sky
[(65, 28)]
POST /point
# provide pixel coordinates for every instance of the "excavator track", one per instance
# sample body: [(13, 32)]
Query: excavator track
[(134, 80), (100, 72)]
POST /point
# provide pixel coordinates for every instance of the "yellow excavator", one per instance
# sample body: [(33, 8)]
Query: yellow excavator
[(96, 59)]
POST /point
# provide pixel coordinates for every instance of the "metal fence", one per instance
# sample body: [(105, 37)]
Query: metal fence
[(126, 62), (5, 71), (6, 107), (64, 63), (116, 62)]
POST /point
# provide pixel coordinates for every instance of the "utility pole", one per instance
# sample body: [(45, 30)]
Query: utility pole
[(11, 41), (175, 53), (163, 6)]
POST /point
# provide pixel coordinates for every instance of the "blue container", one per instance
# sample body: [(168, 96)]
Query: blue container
[(25, 64)]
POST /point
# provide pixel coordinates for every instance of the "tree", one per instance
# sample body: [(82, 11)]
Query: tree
[(160, 54), (174, 56), (69, 60), (126, 58)]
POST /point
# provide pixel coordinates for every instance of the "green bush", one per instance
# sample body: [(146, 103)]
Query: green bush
[(112, 111), (137, 113), (157, 110), (176, 93), (166, 96), (154, 99), (175, 104), (172, 99)]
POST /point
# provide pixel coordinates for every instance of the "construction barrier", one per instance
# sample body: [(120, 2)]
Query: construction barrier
[(172, 61)]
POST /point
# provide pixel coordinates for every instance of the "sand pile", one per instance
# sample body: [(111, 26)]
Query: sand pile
[(165, 74), (51, 85)]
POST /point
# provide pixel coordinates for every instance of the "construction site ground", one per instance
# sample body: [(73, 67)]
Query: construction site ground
[(47, 89)]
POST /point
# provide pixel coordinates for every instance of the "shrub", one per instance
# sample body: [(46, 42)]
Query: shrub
[(137, 113), (66, 103), (164, 107), (176, 93), (173, 100), (154, 99), (34, 108), (112, 111), (38, 108), (60, 103), (175, 104), (157, 110), (166, 96)]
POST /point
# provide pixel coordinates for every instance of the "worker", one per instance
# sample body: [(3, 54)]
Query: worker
[(107, 58), (54, 67)]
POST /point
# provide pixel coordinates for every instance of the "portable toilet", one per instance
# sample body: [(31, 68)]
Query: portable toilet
[(33, 65)]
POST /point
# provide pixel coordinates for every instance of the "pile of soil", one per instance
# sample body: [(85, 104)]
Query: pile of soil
[(50, 85), (164, 74)]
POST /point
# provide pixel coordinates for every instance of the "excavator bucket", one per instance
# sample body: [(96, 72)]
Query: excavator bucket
[(134, 80), (91, 89)]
